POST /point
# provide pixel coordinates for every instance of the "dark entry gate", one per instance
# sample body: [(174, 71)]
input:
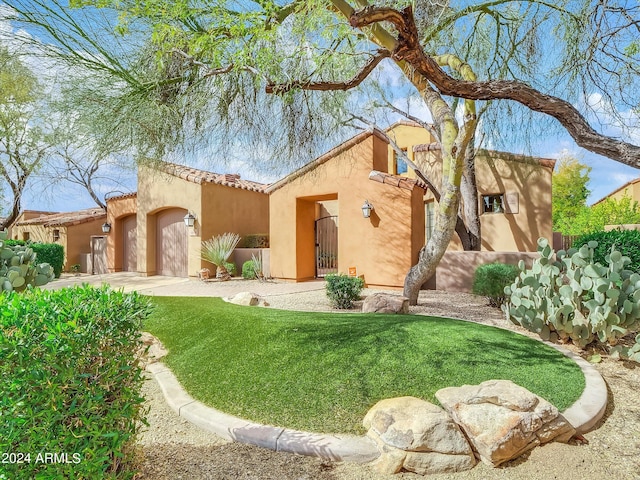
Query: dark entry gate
[(326, 245)]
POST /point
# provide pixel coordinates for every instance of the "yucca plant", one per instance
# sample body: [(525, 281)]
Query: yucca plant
[(217, 250)]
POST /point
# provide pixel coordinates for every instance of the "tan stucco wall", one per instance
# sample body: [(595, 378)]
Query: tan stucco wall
[(117, 210), (379, 247), (406, 136), (632, 190), (158, 191), (531, 181)]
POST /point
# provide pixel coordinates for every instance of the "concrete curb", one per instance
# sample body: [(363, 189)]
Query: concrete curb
[(582, 415), (332, 447)]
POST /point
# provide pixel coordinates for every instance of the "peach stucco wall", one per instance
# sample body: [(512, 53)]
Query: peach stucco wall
[(406, 136), (117, 210), (381, 248)]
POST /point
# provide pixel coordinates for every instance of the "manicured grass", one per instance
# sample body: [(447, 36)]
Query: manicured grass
[(322, 371)]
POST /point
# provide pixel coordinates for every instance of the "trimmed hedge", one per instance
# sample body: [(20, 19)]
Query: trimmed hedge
[(343, 290), (490, 280), (51, 253), (627, 241), (70, 382)]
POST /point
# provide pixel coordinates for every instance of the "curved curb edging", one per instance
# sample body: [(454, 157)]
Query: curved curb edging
[(332, 447), (582, 415)]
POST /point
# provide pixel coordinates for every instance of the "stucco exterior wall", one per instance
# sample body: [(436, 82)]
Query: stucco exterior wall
[(159, 191), (630, 190), (380, 247), (117, 210), (78, 239), (406, 135)]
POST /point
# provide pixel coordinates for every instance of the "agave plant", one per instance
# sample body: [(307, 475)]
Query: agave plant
[(217, 250)]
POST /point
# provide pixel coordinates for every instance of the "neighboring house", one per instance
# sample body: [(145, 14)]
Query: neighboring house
[(148, 230), (515, 206), (630, 189), (72, 230)]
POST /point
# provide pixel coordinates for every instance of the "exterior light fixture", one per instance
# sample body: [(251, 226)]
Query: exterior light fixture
[(189, 220), (366, 209), (106, 227)]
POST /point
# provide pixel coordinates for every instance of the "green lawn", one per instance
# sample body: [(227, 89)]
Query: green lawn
[(322, 371)]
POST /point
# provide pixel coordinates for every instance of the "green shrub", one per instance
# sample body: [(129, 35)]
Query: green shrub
[(627, 241), (343, 290), (70, 381), (249, 270), (576, 298), (231, 268), (51, 253), (490, 279)]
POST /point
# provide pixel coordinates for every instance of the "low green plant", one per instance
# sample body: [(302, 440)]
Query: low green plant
[(490, 279), (574, 297), (249, 270), (627, 241), (217, 250), (230, 267), (18, 269), (75, 268), (70, 381), (343, 290)]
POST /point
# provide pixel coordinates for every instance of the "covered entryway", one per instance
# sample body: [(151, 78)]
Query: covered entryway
[(129, 244), (171, 243), (326, 229)]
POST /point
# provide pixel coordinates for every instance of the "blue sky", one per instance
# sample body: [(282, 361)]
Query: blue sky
[(606, 175)]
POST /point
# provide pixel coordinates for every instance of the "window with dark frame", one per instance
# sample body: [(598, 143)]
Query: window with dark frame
[(56, 235), (25, 236), (493, 203), (399, 165)]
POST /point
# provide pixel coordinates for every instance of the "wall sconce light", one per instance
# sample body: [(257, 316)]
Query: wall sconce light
[(367, 208), (106, 227), (189, 220)]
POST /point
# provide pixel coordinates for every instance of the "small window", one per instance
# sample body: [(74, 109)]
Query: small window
[(400, 166), (25, 236), (493, 203), (430, 220), (56, 235)]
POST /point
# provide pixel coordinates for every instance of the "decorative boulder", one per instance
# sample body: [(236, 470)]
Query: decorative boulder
[(247, 299), (503, 420), (417, 436), (154, 349), (385, 303)]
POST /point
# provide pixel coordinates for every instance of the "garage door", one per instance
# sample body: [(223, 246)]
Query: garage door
[(171, 243), (130, 244)]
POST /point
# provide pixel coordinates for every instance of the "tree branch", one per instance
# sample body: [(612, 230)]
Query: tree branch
[(326, 86)]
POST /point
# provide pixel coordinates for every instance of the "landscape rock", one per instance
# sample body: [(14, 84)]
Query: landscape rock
[(385, 303), (417, 436), (247, 299), (503, 420), (155, 349)]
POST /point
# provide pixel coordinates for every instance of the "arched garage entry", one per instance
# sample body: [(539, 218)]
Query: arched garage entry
[(129, 243), (171, 243)]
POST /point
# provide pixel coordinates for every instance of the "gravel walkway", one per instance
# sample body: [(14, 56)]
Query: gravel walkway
[(171, 448)]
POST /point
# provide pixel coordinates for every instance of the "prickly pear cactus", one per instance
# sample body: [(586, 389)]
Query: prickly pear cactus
[(18, 268), (569, 296)]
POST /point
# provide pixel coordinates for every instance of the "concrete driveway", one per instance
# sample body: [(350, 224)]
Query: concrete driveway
[(187, 287)]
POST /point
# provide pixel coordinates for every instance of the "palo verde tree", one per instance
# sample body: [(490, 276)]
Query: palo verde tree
[(516, 56)]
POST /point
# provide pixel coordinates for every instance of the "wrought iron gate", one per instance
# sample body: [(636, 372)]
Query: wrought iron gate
[(326, 245)]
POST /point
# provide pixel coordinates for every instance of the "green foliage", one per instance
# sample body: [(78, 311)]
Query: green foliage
[(249, 270), (343, 290), (490, 279), (627, 241), (75, 268), (231, 268), (70, 381), (218, 249), (570, 193), (51, 253), (18, 269), (576, 298), (256, 241)]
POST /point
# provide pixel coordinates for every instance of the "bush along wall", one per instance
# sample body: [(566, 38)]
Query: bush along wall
[(343, 290), (574, 297), (490, 280), (51, 253), (627, 241), (70, 404)]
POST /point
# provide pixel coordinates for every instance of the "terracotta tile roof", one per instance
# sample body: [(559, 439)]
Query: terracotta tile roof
[(626, 185), (353, 141), (124, 195), (396, 180), (67, 219), (201, 176), (514, 157)]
